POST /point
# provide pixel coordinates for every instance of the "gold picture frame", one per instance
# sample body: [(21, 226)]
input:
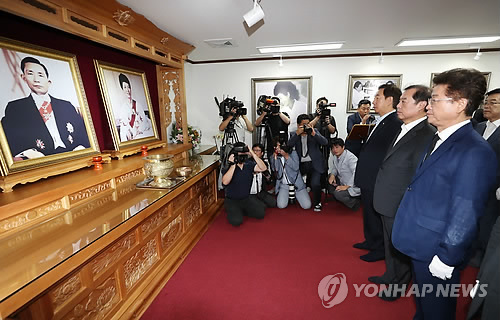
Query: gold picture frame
[(365, 86), (128, 105), (45, 118)]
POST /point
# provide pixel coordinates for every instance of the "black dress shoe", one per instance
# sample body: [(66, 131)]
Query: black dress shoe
[(361, 245), (373, 256), (377, 280)]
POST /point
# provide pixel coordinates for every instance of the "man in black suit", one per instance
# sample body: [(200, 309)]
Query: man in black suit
[(39, 124), (490, 130), (487, 306), (307, 142), (395, 174), (371, 157), (361, 117)]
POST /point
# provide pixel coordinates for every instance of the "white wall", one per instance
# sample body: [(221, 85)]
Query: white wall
[(330, 77)]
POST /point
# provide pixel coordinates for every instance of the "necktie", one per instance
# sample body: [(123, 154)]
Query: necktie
[(435, 139), (46, 111)]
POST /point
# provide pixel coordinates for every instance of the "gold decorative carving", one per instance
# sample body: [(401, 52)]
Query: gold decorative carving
[(124, 18), (155, 221), (171, 94), (171, 233), (110, 256), (31, 215), (208, 198), (140, 263), (62, 293), (200, 186), (181, 200), (126, 190), (89, 192), (192, 212), (127, 176), (82, 210), (164, 40), (98, 303)]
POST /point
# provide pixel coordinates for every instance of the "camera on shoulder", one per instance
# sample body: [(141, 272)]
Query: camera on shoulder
[(323, 109), (228, 104), (268, 104)]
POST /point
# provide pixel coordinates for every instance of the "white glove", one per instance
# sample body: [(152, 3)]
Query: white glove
[(440, 270), (498, 194)]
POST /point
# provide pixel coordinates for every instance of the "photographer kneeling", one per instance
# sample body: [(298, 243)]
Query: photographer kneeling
[(307, 142), (289, 183), (238, 179)]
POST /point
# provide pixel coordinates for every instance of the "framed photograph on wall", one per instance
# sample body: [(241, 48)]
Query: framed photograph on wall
[(487, 75), (45, 118), (366, 86), (128, 105), (294, 94)]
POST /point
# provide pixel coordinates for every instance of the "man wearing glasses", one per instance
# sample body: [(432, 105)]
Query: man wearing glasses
[(437, 218), (491, 133)]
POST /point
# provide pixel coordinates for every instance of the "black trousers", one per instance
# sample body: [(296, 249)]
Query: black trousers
[(397, 265), (314, 176), (372, 224), (265, 197), (250, 207)]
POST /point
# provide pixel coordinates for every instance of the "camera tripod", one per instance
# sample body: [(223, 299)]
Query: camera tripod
[(264, 135)]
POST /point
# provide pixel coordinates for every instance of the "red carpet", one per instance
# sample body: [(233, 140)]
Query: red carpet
[(270, 269)]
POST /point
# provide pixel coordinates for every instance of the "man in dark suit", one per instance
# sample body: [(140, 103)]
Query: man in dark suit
[(437, 219), (307, 141), (490, 130), (39, 124), (486, 305), (361, 117), (371, 157), (395, 174)]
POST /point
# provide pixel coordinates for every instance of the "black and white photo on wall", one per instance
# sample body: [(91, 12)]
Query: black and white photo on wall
[(364, 87), (294, 94), (45, 118)]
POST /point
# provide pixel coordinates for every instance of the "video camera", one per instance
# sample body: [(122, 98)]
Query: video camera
[(228, 104), (323, 109), (268, 104), (233, 149)]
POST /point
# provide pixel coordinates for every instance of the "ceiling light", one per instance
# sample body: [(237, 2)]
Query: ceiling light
[(255, 15), (302, 47), (447, 40), (381, 59)]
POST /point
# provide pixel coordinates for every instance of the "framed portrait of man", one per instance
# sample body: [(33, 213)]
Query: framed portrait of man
[(128, 104), (364, 87), (294, 94), (45, 118)]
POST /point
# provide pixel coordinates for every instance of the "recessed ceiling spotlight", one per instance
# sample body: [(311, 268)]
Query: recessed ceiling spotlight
[(446, 40), (302, 47)]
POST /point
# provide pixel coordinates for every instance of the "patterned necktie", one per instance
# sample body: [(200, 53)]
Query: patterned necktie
[(46, 111), (435, 139), (134, 110)]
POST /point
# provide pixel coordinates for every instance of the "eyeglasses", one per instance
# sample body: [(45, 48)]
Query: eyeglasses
[(434, 101), (491, 103)]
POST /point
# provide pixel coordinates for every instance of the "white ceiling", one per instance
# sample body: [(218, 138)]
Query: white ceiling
[(365, 26)]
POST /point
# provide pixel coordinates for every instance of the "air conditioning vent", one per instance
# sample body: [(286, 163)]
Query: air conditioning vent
[(221, 43)]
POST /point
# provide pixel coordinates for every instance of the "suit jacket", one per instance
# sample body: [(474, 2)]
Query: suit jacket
[(399, 166), (373, 152), (25, 129), (313, 148), (490, 275), (353, 119), (291, 169), (442, 205), (493, 140)]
